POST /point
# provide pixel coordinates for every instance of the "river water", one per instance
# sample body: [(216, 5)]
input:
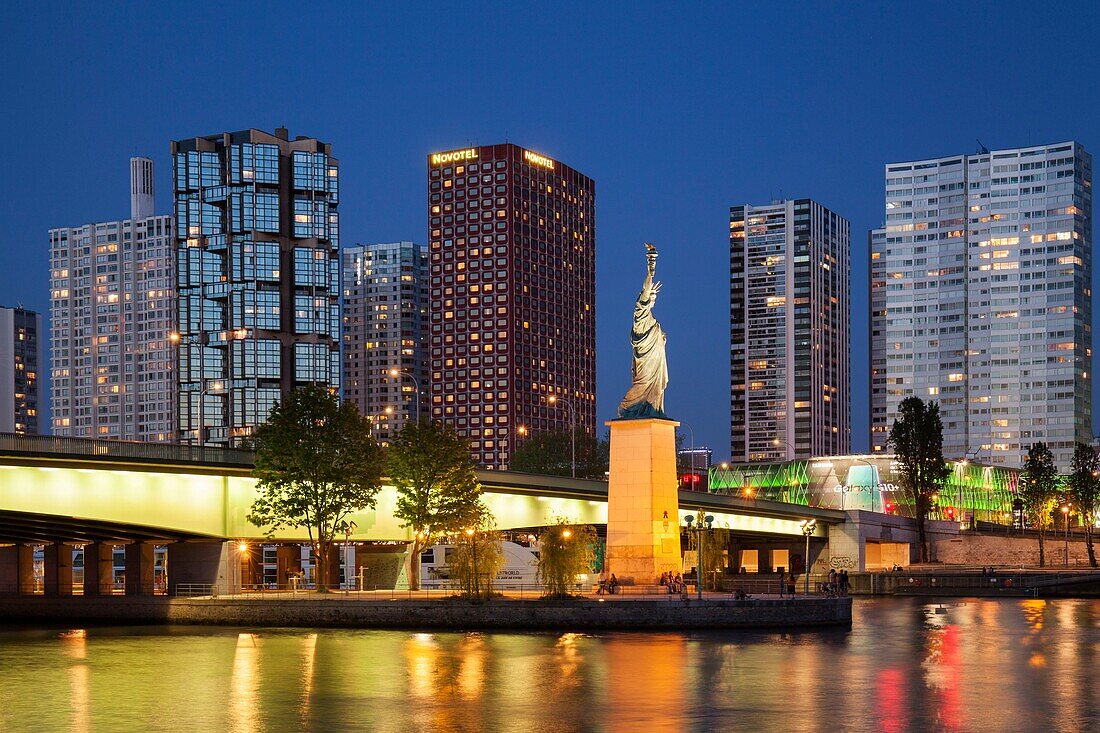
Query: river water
[(996, 665)]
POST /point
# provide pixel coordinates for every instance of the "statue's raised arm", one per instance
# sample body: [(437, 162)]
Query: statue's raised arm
[(649, 370)]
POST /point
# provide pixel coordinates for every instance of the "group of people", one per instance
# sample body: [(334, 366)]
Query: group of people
[(788, 582), (608, 585), (674, 583), (988, 571), (837, 583)]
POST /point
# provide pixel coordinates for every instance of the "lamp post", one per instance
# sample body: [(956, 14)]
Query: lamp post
[(416, 385), (808, 526), (347, 528), (1065, 514), (779, 441), (709, 520), (217, 387), (473, 549), (553, 399), (521, 430)]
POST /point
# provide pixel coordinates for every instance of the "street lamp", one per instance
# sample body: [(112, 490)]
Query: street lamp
[(709, 520), (218, 388), (521, 430), (779, 441), (808, 526), (347, 528), (553, 399), (1065, 514), (473, 548), (416, 385)]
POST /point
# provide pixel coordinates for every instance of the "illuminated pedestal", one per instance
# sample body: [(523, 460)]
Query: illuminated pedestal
[(643, 537)]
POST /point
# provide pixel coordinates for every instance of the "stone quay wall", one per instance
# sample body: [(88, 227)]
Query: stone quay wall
[(438, 614), (986, 548)]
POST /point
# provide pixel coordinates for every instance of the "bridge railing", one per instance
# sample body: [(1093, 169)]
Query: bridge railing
[(53, 445)]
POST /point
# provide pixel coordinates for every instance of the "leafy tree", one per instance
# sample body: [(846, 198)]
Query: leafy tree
[(316, 463), (917, 439), (1039, 491), (551, 453), (478, 557), (565, 551), (1083, 490), (437, 490)]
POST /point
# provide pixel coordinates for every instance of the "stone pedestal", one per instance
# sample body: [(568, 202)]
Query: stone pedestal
[(643, 535)]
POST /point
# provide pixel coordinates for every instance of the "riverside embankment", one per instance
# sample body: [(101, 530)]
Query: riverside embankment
[(451, 614)]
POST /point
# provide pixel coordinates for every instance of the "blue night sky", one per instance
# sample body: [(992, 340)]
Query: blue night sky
[(675, 114)]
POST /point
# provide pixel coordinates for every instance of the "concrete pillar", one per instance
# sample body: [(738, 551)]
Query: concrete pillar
[(288, 560), (199, 566), (334, 557), (139, 569), (252, 571), (57, 570), (25, 570), (99, 570), (9, 570)]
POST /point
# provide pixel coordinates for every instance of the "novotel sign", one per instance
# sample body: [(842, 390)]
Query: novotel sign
[(540, 160), (454, 156)]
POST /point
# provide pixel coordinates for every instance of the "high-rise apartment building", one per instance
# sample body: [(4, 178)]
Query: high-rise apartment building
[(512, 248), (112, 308), (385, 313), (20, 361), (790, 380), (257, 239), (982, 301)]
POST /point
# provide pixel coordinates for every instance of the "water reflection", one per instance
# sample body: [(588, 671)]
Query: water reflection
[(905, 667)]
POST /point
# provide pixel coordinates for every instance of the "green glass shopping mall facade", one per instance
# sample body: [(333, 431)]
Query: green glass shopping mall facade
[(872, 483)]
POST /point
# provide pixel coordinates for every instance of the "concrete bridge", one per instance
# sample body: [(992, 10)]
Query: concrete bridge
[(60, 492)]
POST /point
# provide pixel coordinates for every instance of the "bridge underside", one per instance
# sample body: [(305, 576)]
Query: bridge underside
[(44, 529)]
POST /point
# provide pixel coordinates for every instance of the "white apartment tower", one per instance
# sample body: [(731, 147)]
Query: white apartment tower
[(790, 394), (385, 314), (981, 300), (112, 306)]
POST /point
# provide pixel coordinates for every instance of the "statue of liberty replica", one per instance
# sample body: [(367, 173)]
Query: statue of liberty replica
[(643, 534), (649, 369)]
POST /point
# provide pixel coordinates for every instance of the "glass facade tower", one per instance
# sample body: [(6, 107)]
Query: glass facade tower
[(981, 300), (790, 380), (257, 234), (385, 331)]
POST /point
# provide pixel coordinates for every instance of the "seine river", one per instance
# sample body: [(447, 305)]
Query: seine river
[(990, 665)]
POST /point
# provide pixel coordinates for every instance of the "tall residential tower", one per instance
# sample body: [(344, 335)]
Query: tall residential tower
[(20, 364), (512, 248), (982, 301), (257, 235), (112, 307), (790, 381), (385, 333)]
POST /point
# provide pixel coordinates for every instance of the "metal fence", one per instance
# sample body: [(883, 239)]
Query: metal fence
[(14, 444)]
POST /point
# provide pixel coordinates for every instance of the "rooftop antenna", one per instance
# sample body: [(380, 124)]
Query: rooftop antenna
[(982, 149)]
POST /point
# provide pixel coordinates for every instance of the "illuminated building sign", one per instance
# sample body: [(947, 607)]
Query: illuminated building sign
[(539, 160), (454, 156)]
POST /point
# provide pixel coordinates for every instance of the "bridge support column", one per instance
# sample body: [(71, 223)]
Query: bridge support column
[(288, 560), (9, 570), (57, 570), (25, 569), (195, 566), (99, 569), (139, 569)]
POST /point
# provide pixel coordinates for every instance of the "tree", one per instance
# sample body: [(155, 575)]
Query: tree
[(437, 490), (478, 557), (1083, 491), (917, 439), (565, 551), (551, 453), (1039, 490), (316, 463)]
